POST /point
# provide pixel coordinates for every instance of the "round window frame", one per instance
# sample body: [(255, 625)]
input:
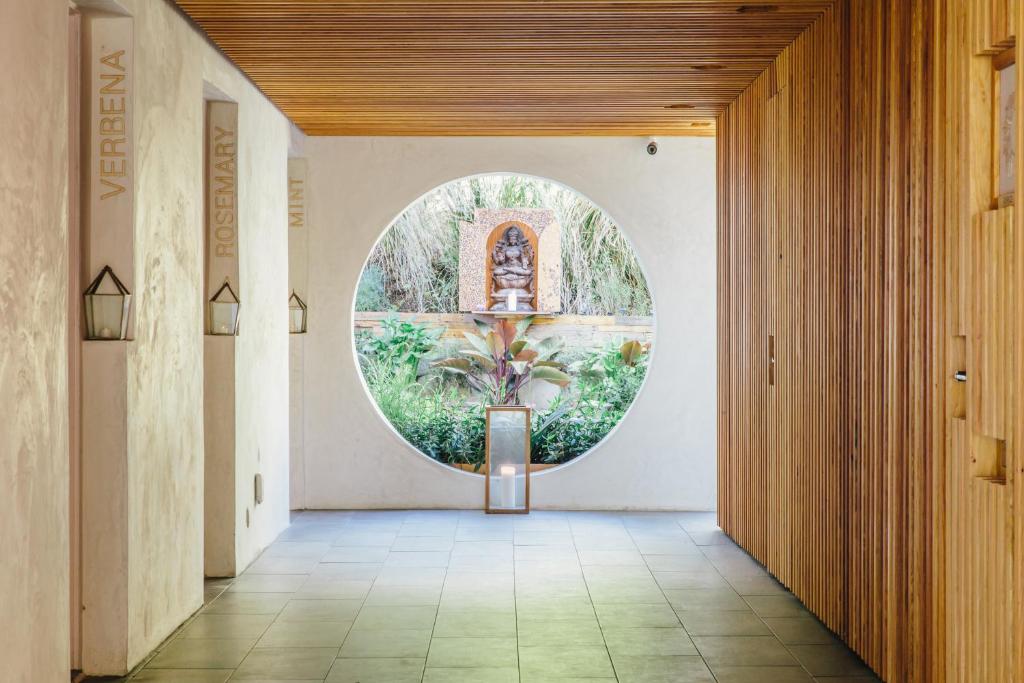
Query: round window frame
[(534, 473)]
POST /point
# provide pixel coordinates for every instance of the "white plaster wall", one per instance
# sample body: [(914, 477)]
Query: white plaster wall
[(166, 365), (663, 454), (33, 342)]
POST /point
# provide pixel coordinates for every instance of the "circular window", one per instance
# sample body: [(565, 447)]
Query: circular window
[(503, 289)]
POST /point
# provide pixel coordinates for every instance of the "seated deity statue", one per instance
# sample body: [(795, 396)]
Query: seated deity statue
[(512, 271)]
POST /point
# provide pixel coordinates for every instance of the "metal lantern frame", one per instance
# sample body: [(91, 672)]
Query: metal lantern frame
[(89, 299), (489, 470), (300, 305), (215, 301)]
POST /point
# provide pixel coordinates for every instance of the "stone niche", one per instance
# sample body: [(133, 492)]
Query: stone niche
[(539, 248)]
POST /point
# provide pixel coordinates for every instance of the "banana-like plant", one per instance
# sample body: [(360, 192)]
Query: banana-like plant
[(501, 361)]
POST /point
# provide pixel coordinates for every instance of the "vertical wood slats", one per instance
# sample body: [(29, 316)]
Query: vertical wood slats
[(851, 479), (1015, 441), (780, 276), (991, 248), (984, 627), (992, 23)]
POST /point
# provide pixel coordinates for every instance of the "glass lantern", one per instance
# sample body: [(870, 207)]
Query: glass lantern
[(224, 311), (296, 314), (507, 480), (107, 304)]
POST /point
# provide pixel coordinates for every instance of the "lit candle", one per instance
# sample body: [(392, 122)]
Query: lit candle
[(511, 300), (106, 333), (508, 486), (223, 328)]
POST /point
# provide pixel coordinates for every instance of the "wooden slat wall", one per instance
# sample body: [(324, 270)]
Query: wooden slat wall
[(984, 522), (887, 534), (782, 265), (857, 227)]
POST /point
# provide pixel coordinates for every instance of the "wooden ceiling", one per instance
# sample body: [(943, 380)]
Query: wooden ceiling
[(503, 67)]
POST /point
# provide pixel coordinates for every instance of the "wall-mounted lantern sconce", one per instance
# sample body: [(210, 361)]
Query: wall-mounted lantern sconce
[(296, 314), (106, 312), (224, 311)]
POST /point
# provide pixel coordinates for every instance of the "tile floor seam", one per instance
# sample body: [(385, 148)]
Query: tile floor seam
[(760, 618), (785, 645), (437, 611), (598, 538), (590, 597), (278, 614), (676, 613), (131, 675), (742, 597), (515, 606)]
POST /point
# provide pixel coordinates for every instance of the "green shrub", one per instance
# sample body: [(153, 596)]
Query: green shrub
[(435, 419), (607, 381), (401, 342), (445, 419)]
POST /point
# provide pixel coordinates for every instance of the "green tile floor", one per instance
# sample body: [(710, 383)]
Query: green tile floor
[(463, 597)]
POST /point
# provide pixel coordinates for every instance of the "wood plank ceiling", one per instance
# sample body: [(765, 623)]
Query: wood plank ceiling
[(503, 67)]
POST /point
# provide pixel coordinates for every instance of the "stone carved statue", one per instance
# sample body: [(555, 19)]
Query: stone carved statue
[(512, 271)]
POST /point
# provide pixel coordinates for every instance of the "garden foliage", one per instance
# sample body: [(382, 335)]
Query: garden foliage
[(439, 409), (501, 361)]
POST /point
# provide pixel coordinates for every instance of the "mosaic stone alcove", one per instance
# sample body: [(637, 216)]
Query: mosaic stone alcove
[(476, 243)]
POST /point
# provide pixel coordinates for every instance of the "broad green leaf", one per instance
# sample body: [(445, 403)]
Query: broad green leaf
[(479, 343), (519, 366), (517, 346), (546, 348), (482, 326), (524, 324), (454, 364), (631, 352), (548, 374), (486, 361)]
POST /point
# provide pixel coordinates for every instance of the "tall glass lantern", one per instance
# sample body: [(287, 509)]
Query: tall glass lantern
[(107, 305), (224, 311), (507, 477), (296, 314)]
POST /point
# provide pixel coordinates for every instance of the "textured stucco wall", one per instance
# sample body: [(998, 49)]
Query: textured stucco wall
[(165, 420), (164, 366), (663, 454), (33, 346), (166, 362), (262, 441)]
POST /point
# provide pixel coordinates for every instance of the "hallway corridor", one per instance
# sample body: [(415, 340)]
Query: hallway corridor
[(462, 597)]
